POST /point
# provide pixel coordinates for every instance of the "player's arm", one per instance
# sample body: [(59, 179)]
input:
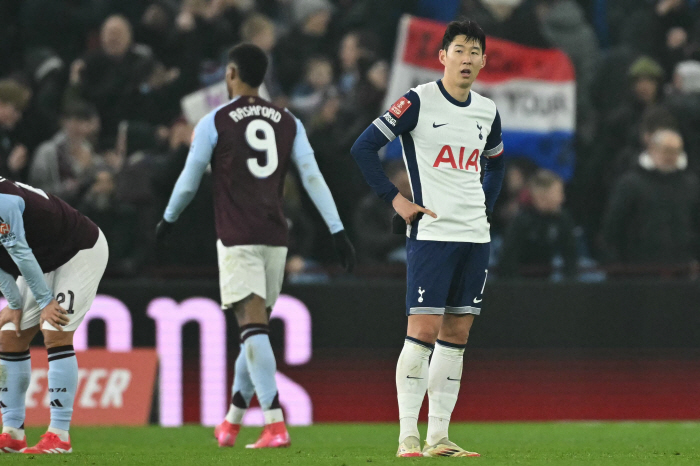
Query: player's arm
[(399, 119), (199, 157), (494, 167), (14, 241), (9, 289), (12, 313), (315, 185)]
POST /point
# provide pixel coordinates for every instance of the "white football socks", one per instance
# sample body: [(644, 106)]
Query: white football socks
[(444, 379), (411, 384)]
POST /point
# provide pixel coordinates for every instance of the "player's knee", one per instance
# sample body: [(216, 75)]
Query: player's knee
[(456, 336), (53, 338), (251, 311), (10, 343), (427, 335)]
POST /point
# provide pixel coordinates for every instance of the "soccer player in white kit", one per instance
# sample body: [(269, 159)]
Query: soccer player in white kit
[(445, 130)]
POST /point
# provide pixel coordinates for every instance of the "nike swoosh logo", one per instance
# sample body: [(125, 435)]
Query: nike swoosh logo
[(409, 377), (452, 380), (477, 301), (437, 126)]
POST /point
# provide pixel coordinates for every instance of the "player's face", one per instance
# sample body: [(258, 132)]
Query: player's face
[(463, 60)]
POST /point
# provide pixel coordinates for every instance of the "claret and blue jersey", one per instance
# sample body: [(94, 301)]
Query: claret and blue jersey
[(250, 143), (39, 233)]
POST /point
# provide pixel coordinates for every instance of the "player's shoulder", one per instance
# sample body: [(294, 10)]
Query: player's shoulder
[(481, 101), (295, 119), (10, 200), (424, 91)]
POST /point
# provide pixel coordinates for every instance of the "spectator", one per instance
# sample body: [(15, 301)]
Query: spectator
[(14, 98), (354, 47), (117, 220), (653, 211), (514, 194), (196, 224), (666, 25), (157, 30), (308, 38), (380, 18), (59, 25), (621, 127), (335, 127), (308, 97), (348, 54), (260, 30), (212, 24), (65, 165), (372, 222), (613, 167), (541, 233), (48, 77), (110, 78), (364, 101), (604, 169), (513, 20), (684, 103), (302, 237), (564, 25), (10, 36)]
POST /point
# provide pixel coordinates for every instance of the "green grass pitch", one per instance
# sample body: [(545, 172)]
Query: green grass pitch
[(575, 443)]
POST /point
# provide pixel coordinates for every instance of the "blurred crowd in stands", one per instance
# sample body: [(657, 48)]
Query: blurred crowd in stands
[(90, 95)]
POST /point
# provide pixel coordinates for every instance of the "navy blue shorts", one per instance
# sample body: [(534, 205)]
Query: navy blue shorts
[(445, 277)]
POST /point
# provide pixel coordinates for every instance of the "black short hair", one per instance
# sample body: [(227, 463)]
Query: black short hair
[(251, 62), (465, 27)]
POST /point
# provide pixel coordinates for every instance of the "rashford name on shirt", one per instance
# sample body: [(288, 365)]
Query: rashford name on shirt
[(256, 110)]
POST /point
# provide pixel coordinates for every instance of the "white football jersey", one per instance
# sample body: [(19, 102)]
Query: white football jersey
[(442, 140)]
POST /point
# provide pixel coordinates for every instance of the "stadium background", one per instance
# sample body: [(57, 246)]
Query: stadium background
[(583, 317)]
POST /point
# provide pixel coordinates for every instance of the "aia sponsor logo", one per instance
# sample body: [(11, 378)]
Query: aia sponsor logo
[(400, 107), (4, 228), (447, 157)]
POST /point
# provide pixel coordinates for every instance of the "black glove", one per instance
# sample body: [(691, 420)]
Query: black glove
[(162, 230), (488, 215), (345, 250)]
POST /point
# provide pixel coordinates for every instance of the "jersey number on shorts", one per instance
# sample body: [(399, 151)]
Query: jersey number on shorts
[(61, 298), (267, 143)]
